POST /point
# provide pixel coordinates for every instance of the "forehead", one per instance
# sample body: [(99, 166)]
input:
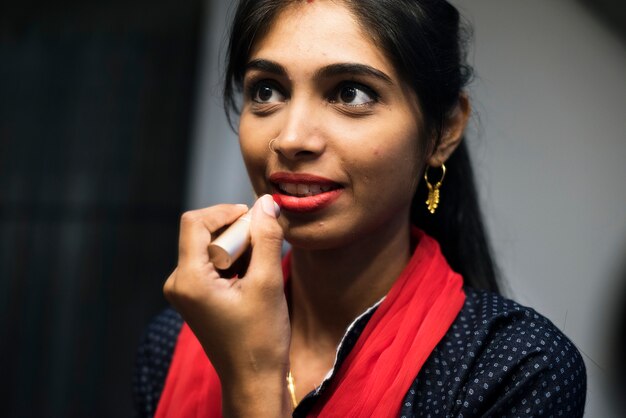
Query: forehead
[(316, 33)]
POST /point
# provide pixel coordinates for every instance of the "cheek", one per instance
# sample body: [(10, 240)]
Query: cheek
[(389, 141), (381, 180), (254, 150), (395, 154), (388, 171)]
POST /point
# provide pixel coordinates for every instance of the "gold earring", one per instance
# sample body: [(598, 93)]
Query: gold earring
[(271, 148), (433, 190)]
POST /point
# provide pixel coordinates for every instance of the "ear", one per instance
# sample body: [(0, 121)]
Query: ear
[(452, 132)]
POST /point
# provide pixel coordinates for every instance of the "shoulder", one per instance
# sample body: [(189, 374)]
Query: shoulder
[(153, 358), (500, 358)]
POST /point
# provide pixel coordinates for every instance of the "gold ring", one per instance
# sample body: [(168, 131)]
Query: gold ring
[(271, 148)]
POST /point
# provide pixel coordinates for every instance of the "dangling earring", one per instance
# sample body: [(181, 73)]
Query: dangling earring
[(433, 191)]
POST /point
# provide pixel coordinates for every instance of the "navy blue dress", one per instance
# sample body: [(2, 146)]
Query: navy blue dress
[(498, 359)]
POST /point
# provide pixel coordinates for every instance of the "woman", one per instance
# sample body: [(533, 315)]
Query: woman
[(346, 106)]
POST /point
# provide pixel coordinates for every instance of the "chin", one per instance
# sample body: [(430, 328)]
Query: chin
[(312, 235)]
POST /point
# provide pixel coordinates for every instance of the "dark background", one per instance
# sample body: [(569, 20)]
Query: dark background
[(95, 112)]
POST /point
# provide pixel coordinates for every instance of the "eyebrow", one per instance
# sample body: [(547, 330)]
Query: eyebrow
[(266, 66), (352, 69), (324, 72)]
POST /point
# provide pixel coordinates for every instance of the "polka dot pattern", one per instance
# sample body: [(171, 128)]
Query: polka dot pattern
[(499, 359), (153, 361)]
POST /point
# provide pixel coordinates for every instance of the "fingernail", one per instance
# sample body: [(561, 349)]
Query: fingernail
[(269, 206), (242, 206)]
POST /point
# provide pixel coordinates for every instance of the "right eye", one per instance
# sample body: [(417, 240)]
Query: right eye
[(264, 92)]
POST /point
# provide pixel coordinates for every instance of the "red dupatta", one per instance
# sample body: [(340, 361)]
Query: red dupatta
[(376, 375)]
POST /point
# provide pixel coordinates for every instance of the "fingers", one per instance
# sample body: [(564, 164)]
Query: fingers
[(196, 227), (192, 277), (267, 240)]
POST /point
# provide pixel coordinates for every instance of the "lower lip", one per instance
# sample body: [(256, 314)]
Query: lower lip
[(306, 204)]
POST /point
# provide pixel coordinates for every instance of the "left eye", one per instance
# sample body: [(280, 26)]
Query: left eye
[(266, 93), (355, 95)]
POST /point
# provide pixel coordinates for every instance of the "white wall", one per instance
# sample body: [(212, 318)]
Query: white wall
[(550, 151)]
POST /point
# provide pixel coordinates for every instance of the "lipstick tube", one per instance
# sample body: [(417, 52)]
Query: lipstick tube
[(233, 242)]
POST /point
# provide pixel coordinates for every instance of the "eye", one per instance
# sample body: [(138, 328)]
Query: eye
[(355, 94), (266, 92)]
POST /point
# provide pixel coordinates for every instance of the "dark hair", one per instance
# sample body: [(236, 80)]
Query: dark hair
[(426, 44)]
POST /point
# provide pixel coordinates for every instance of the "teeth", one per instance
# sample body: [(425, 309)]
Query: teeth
[(315, 189), (303, 189), (290, 188)]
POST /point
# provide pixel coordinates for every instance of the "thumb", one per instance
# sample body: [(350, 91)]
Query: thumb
[(267, 241)]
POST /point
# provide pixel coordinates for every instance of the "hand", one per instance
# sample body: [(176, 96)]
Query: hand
[(242, 323)]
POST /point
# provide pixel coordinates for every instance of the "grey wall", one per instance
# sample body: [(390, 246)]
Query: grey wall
[(216, 171), (549, 146)]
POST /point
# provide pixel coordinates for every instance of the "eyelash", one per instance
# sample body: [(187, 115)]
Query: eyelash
[(253, 87), (375, 97)]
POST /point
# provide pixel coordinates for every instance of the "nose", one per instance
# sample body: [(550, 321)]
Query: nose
[(301, 135)]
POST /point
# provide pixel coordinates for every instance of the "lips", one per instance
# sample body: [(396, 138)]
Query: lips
[(302, 193)]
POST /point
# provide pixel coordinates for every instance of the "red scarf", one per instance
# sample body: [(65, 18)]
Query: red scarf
[(376, 375)]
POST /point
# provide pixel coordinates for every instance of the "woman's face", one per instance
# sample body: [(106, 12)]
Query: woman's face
[(345, 155)]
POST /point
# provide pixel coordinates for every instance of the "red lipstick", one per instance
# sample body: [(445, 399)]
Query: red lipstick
[(303, 192)]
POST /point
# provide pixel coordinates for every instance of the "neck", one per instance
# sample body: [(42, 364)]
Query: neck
[(330, 288)]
